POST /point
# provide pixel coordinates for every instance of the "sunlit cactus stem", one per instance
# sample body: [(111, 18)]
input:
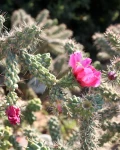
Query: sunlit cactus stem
[(37, 69), (11, 73), (87, 136), (2, 20)]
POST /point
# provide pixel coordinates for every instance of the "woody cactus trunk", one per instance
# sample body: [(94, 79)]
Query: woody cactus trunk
[(18, 47)]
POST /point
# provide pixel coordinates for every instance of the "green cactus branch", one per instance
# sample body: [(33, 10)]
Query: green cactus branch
[(53, 36), (87, 135), (37, 69), (11, 73)]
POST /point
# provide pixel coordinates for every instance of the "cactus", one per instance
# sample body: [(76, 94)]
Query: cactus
[(108, 43), (54, 129), (26, 45), (110, 94), (2, 20), (109, 112), (37, 69), (36, 146), (54, 35), (113, 38), (33, 105), (56, 93), (105, 51), (5, 133), (87, 135), (15, 144), (112, 129), (73, 137), (11, 98), (11, 73)]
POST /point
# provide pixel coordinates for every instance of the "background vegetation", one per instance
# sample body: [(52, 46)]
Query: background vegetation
[(84, 17)]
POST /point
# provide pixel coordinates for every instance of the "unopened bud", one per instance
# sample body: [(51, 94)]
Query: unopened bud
[(112, 75)]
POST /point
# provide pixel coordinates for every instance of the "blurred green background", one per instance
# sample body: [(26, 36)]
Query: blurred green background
[(84, 17)]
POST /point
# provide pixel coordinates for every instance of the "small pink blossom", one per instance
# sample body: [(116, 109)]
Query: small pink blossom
[(13, 113), (83, 71), (59, 108)]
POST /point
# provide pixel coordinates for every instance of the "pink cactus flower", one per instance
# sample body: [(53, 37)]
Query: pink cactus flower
[(84, 72), (13, 113), (74, 59)]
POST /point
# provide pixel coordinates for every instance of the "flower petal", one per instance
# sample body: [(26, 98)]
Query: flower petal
[(74, 59), (86, 62)]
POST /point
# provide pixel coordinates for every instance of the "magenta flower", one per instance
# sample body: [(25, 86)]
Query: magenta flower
[(84, 73), (13, 113)]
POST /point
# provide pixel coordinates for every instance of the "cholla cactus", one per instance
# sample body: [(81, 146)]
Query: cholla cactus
[(15, 144), (11, 98), (101, 41), (2, 20), (52, 39), (54, 129), (14, 47), (33, 105), (87, 135), (108, 113), (112, 134), (5, 133), (36, 146), (18, 48), (11, 73), (109, 44), (105, 52), (73, 137)]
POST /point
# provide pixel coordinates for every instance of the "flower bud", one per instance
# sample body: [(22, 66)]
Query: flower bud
[(112, 75), (13, 113)]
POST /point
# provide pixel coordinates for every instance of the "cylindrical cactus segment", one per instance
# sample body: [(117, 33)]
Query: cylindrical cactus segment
[(56, 93), (11, 98), (67, 81), (54, 129), (44, 59), (36, 146), (11, 73), (37, 69), (20, 38), (34, 105), (87, 137), (15, 144), (42, 16), (5, 133), (2, 20)]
